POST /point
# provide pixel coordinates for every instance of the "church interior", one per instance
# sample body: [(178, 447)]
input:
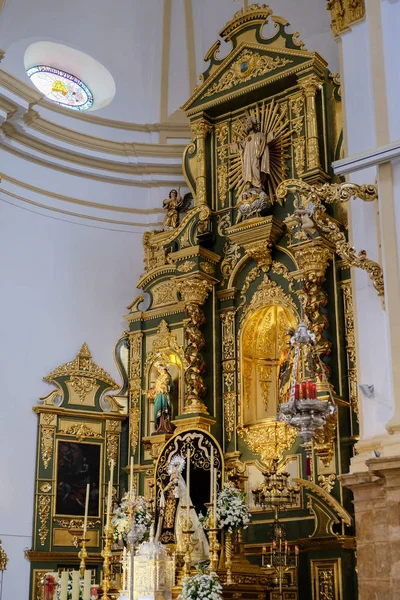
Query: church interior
[(200, 231)]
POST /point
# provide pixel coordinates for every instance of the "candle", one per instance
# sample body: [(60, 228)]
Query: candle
[(86, 509), (264, 550), (109, 496), (87, 580), (212, 475), (215, 497), (75, 585), (188, 488), (296, 550), (131, 479), (64, 586), (296, 391), (303, 390)]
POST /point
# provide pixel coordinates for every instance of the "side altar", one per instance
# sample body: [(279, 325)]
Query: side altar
[(257, 245)]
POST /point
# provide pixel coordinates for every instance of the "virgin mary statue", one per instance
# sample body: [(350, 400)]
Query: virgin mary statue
[(171, 522)]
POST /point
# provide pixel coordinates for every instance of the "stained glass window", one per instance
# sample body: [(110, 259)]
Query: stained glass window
[(61, 87)]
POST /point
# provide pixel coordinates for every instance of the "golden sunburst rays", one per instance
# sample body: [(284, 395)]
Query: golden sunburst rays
[(272, 118)]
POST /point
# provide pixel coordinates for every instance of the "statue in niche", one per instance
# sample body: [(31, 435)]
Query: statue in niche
[(172, 517), (284, 368), (161, 394), (254, 150), (174, 205), (255, 164)]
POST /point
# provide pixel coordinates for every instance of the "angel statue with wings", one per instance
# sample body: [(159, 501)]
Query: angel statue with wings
[(257, 165), (172, 517)]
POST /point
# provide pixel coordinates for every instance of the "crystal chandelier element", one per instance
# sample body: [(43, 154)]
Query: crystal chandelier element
[(304, 410), (275, 492)]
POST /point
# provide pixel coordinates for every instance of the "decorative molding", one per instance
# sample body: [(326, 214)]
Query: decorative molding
[(370, 158)]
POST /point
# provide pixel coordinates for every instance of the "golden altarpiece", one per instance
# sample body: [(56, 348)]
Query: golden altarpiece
[(221, 290)]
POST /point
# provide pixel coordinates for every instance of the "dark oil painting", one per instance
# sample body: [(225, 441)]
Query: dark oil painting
[(77, 465)]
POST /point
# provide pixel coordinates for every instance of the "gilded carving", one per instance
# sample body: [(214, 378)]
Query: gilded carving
[(228, 370), (164, 293), (344, 13), (187, 266), (251, 276), (283, 271), (46, 444), (80, 431), (112, 447), (44, 511), (38, 588), (299, 148), (324, 440), (135, 363), (350, 345), (310, 85), (82, 386), (222, 183), (82, 367), (268, 292), (185, 239), (221, 134), (207, 267), (265, 373), (231, 251), (229, 400), (269, 440), (247, 66), (327, 482)]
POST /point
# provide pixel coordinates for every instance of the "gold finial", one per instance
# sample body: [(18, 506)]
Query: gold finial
[(84, 352), (3, 559)]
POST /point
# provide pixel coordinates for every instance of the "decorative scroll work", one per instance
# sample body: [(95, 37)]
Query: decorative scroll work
[(247, 66), (269, 440), (350, 344), (48, 426), (312, 198), (228, 370), (44, 511), (135, 362)]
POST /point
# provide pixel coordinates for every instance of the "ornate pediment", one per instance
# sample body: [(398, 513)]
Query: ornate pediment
[(254, 60)]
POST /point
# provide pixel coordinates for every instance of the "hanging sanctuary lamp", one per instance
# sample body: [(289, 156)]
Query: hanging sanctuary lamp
[(304, 410)]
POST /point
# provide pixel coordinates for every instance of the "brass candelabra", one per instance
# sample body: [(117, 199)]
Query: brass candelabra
[(107, 554), (82, 554), (279, 556), (187, 535), (213, 536)]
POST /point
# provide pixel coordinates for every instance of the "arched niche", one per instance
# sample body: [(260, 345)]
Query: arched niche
[(264, 342)]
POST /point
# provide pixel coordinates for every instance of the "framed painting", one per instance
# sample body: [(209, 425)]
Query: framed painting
[(78, 464)]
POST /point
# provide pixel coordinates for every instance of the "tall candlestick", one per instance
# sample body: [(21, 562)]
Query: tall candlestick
[(215, 497), (188, 488), (64, 586), (86, 509), (131, 478), (109, 496), (212, 475)]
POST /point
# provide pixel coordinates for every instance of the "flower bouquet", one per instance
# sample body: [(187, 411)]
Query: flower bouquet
[(232, 509), (122, 518), (201, 586)]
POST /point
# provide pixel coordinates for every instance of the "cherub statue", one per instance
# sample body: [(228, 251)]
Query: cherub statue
[(304, 217)]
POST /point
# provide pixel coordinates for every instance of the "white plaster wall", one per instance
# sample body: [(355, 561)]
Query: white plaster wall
[(370, 318), (61, 284), (390, 11)]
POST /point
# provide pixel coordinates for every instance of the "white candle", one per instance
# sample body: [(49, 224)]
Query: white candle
[(188, 487), (215, 498), (75, 585), (87, 582), (131, 479), (64, 586), (212, 475), (86, 509), (109, 497)]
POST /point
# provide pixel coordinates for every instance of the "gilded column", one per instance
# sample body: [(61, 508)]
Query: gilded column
[(194, 291), (201, 128), (310, 86), (228, 370), (313, 258)]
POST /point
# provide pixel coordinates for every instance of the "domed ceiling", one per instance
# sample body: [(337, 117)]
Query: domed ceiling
[(154, 51)]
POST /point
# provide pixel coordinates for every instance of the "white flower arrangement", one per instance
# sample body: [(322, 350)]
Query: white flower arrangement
[(232, 509), (121, 519), (202, 586)]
